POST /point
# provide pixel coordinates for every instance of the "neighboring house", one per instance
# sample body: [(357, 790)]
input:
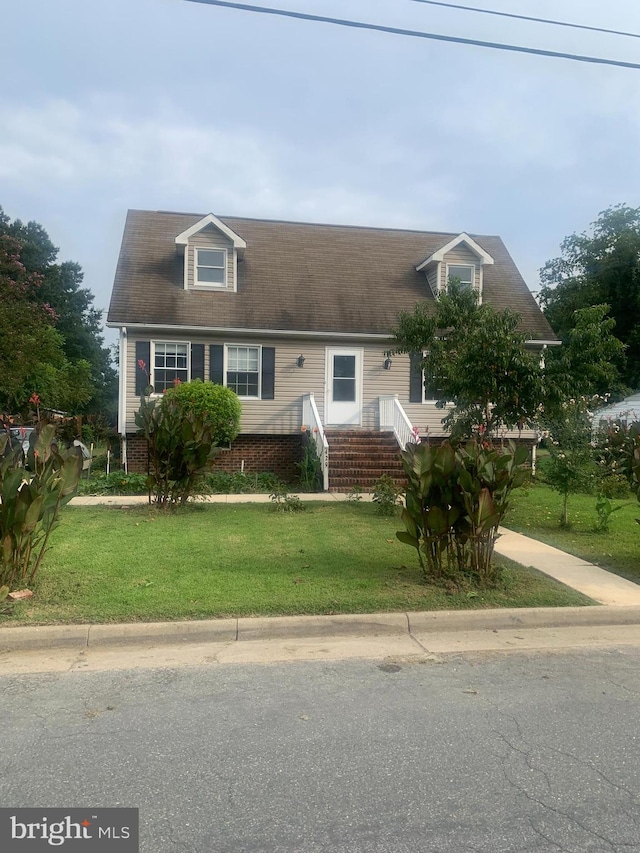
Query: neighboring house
[(624, 412), (295, 318)]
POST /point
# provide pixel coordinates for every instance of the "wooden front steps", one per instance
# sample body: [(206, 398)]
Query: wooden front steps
[(359, 457)]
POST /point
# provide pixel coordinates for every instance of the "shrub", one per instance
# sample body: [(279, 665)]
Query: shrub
[(386, 495), (309, 466), (218, 407), (354, 495), (282, 501), (619, 449), (183, 429), (614, 486), (31, 503), (239, 482), (455, 501), (115, 483), (615, 448)]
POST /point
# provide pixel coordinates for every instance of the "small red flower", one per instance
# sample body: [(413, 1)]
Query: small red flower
[(142, 364), (35, 399), (177, 382)]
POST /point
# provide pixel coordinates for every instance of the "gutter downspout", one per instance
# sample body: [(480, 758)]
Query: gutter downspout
[(122, 395)]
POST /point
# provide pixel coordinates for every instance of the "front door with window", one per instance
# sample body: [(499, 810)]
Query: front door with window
[(344, 387)]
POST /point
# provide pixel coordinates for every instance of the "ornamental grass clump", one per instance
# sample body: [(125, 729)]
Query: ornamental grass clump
[(31, 503), (183, 428), (455, 501)]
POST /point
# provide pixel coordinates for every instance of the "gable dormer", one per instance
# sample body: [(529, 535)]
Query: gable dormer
[(211, 253), (461, 258)]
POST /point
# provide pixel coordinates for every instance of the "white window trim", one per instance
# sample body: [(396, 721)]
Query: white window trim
[(468, 266), (152, 359), (210, 285), (226, 362), (425, 399)]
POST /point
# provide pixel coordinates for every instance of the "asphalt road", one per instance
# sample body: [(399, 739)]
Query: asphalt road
[(501, 753)]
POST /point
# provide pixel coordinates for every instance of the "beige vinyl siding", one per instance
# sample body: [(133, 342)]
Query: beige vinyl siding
[(432, 278), (283, 415), (461, 254), (211, 238)]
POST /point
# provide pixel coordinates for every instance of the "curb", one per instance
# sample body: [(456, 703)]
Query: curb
[(247, 629)]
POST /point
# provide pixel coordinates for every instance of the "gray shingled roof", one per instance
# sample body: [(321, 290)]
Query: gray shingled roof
[(299, 277)]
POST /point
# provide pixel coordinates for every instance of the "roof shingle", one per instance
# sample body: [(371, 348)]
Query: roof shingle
[(299, 277)]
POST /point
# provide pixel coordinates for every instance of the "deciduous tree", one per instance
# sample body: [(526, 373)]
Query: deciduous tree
[(479, 358), (77, 322), (596, 268)]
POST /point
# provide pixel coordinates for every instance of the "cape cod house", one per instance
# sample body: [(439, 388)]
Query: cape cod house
[(295, 318)]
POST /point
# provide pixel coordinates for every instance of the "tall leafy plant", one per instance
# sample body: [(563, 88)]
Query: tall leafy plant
[(31, 503), (455, 501)]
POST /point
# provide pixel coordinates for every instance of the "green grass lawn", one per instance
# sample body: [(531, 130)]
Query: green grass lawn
[(535, 511), (109, 564)]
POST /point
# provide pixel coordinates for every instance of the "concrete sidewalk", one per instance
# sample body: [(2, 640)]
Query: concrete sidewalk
[(600, 585), (620, 599)]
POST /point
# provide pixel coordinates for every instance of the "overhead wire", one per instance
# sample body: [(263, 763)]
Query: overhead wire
[(305, 16), (527, 18)]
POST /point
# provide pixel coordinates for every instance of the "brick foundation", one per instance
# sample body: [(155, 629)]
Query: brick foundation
[(275, 453)]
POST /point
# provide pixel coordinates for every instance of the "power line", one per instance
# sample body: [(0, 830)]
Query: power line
[(418, 34), (528, 18)]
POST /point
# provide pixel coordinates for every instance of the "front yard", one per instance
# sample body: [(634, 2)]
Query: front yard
[(535, 511), (110, 564)]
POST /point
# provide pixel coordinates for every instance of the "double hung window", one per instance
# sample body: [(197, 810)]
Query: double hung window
[(211, 267), (432, 380), (243, 370), (170, 364), (464, 273)]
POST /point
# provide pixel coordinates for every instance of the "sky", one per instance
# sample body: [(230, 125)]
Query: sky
[(175, 105)]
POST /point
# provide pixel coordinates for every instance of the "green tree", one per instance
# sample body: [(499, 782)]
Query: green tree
[(77, 321), (572, 467), (480, 360), (599, 268), (32, 358), (590, 360)]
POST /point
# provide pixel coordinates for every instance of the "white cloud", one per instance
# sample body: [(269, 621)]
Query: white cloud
[(164, 159)]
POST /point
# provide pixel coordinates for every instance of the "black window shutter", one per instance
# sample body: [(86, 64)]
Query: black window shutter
[(268, 372), (197, 361), (143, 355), (415, 377), (216, 363)]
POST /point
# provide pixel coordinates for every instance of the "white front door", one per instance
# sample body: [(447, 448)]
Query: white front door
[(344, 386)]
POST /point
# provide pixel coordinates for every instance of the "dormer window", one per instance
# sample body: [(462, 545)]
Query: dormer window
[(464, 273), (211, 253), (211, 265), (461, 259)]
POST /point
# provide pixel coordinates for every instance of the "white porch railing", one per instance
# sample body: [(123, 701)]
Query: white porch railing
[(311, 419), (393, 417)]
